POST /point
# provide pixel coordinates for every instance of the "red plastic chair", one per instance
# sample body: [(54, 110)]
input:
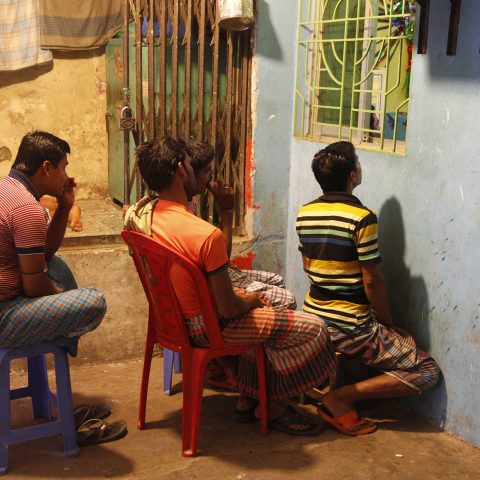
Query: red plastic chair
[(166, 326)]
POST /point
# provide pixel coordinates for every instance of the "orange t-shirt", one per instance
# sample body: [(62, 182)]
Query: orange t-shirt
[(201, 242)]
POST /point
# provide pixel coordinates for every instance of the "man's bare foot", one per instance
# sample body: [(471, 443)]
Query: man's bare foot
[(74, 219), (342, 415), (245, 403), (336, 405)]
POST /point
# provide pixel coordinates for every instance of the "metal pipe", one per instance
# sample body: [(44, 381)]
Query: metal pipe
[(125, 92)]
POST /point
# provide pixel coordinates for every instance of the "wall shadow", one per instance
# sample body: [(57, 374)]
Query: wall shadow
[(409, 303), (407, 295), (25, 74), (267, 40), (31, 73)]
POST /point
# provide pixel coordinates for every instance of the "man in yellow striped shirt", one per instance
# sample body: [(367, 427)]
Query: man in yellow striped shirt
[(338, 242)]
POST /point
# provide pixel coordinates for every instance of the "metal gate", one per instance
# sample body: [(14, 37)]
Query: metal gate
[(194, 82)]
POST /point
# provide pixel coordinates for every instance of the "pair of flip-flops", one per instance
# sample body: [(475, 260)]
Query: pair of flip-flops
[(92, 430)]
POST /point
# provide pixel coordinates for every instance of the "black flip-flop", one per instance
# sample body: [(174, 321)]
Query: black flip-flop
[(291, 417), (245, 416), (82, 413), (95, 431)]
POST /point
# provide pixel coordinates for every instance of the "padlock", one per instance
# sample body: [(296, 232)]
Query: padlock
[(127, 120)]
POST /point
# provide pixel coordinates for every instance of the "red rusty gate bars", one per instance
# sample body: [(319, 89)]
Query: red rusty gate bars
[(198, 85)]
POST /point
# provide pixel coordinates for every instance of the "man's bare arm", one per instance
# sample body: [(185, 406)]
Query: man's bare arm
[(58, 225), (35, 281), (229, 303), (376, 291), (226, 221), (224, 198), (56, 231)]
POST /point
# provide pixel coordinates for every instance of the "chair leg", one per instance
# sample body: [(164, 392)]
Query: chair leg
[(168, 358), (144, 386), (186, 411), (64, 404), (195, 381), (4, 413), (38, 387), (262, 387)]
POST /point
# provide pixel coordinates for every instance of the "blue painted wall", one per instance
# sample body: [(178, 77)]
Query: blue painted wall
[(428, 202), (275, 74)]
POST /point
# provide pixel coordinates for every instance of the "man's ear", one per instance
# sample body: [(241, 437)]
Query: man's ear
[(181, 170), (352, 176), (46, 167)]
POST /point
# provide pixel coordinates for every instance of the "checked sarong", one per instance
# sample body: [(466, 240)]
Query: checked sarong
[(25, 320), (299, 353)]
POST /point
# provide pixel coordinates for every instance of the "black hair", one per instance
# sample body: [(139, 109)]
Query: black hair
[(158, 161), (201, 154), (332, 165), (37, 147)]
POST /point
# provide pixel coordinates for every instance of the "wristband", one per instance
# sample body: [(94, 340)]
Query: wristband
[(44, 270)]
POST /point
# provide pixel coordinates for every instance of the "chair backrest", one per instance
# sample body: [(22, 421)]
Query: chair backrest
[(154, 261)]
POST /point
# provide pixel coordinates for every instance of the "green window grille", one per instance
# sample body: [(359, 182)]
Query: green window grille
[(353, 72)]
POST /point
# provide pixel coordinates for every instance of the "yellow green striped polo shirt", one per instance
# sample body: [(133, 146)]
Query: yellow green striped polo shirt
[(336, 234)]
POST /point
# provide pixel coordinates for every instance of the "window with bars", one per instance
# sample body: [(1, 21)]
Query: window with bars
[(353, 72)]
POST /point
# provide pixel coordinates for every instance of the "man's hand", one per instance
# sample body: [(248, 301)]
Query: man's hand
[(56, 229), (225, 200), (223, 194), (259, 299), (67, 198), (251, 299), (59, 288)]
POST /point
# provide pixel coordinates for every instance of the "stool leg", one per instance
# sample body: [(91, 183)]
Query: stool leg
[(4, 413), (177, 362), (64, 404), (38, 386), (168, 357)]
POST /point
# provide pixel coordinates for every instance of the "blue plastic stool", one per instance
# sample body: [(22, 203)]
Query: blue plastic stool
[(42, 399), (171, 360)]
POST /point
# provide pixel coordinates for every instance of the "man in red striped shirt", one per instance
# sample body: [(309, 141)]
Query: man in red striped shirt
[(39, 299)]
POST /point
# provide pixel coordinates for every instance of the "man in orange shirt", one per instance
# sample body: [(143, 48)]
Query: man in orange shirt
[(222, 372), (298, 350), (272, 285)]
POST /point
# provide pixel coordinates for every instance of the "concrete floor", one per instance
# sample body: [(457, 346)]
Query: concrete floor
[(402, 448)]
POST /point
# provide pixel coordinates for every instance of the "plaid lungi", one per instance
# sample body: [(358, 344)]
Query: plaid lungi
[(270, 284), (25, 320), (390, 350), (299, 353)]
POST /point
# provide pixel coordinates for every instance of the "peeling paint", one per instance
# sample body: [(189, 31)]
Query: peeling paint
[(243, 262), (249, 176)]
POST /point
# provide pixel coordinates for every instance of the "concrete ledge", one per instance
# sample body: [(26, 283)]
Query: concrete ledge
[(122, 333)]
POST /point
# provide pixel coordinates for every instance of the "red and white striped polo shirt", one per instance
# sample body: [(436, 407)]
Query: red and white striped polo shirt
[(23, 229)]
